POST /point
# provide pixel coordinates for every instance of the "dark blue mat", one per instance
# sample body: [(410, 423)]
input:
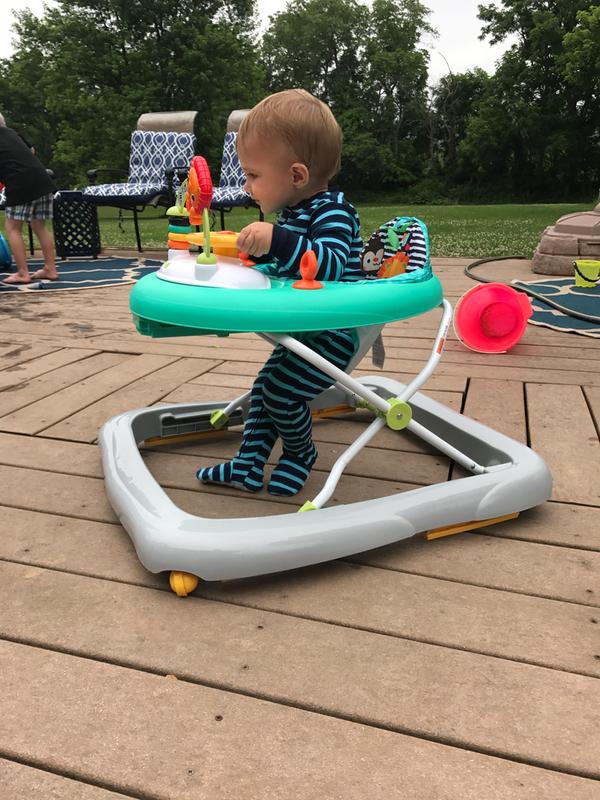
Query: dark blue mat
[(571, 298), (86, 274)]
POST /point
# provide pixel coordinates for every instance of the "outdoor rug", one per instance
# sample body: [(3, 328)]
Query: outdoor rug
[(86, 273), (564, 293)]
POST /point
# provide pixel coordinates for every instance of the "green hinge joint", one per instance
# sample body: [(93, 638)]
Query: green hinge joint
[(219, 419), (365, 404), (399, 414)]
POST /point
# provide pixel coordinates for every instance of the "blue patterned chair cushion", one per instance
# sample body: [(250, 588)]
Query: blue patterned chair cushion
[(131, 192), (230, 191), (152, 153)]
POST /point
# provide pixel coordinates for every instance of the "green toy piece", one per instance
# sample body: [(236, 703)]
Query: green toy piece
[(206, 257)]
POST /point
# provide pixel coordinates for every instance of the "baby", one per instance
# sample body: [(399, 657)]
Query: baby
[(289, 147)]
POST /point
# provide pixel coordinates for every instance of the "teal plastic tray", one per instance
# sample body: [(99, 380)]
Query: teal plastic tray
[(162, 308)]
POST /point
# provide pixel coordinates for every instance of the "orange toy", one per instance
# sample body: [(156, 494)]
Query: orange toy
[(308, 270), (199, 193), (199, 196)]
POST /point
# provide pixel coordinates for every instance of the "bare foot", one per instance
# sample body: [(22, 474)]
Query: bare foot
[(16, 279), (42, 275)]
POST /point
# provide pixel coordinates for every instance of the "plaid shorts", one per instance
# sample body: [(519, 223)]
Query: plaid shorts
[(37, 209)]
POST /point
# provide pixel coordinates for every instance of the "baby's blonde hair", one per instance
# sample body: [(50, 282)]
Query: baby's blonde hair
[(302, 122)]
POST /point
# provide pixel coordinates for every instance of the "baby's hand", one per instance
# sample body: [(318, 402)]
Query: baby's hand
[(255, 239)]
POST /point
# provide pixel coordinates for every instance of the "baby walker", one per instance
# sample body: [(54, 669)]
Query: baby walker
[(192, 295)]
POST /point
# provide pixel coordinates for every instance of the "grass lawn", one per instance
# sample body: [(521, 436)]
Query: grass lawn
[(467, 231)]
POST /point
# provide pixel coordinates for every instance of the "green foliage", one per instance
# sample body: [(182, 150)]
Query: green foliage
[(84, 71), (104, 62), (366, 63), (534, 133), (465, 231)]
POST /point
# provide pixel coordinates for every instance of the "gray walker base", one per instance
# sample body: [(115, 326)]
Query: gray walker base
[(506, 478)]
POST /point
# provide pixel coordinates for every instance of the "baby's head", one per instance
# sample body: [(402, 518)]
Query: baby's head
[(289, 147)]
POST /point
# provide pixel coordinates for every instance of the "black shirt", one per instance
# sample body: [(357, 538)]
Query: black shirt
[(23, 174)]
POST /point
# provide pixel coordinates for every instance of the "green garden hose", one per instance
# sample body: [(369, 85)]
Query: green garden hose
[(544, 298)]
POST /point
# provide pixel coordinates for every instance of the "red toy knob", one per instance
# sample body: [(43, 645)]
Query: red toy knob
[(246, 260), (308, 270)]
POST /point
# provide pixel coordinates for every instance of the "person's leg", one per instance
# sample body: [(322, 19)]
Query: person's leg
[(44, 236), (246, 469), (41, 212), (17, 245), (287, 392)]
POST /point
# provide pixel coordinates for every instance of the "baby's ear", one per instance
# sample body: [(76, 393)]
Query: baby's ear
[(300, 174)]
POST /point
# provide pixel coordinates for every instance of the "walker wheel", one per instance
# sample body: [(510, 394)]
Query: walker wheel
[(183, 583), (399, 414)]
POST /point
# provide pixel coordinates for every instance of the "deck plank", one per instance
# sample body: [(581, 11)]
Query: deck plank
[(486, 621), (563, 433), (458, 658), (499, 404), (12, 376), (229, 744), (19, 781), (46, 386), (83, 425), (564, 524), (428, 609), (529, 568), (272, 656), (37, 416)]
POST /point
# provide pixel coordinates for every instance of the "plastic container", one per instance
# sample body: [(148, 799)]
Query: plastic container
[(5, 254), (491, 317), (587, 273)]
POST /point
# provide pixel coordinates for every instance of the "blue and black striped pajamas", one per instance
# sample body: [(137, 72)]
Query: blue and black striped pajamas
[(280, 397)]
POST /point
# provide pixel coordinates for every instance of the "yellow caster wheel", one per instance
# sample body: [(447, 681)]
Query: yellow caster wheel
[(183, 583)]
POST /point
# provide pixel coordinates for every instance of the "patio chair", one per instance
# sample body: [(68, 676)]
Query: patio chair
[(230, 191), (162, 148)]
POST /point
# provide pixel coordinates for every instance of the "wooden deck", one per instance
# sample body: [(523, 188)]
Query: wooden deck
[(461, 669)]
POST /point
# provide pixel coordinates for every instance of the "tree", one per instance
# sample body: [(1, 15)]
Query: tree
[(540, 138), (454, 101), (104, 62), (366, 63), (317, 45)]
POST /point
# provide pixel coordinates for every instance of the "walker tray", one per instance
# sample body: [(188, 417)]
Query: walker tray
[(162, 307)]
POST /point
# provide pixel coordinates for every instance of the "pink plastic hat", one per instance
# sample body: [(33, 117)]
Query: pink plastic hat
[(491, 317)]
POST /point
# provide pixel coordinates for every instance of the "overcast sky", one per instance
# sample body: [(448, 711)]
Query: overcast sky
[(456, 23)]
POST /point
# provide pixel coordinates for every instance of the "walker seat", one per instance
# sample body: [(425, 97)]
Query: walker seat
[(505, 478)]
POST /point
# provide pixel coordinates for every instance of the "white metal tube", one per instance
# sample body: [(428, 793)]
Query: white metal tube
[(237, 402), (337, 374), (423, 433), (343, 461), (435, 356)]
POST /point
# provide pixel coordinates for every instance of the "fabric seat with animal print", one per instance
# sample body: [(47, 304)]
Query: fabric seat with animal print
[(398, 246)]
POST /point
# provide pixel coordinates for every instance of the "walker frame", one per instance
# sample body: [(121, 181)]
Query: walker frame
[(506, 477)]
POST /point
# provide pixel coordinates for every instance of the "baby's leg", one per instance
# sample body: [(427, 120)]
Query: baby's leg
[(246, 469), (288, 389)]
